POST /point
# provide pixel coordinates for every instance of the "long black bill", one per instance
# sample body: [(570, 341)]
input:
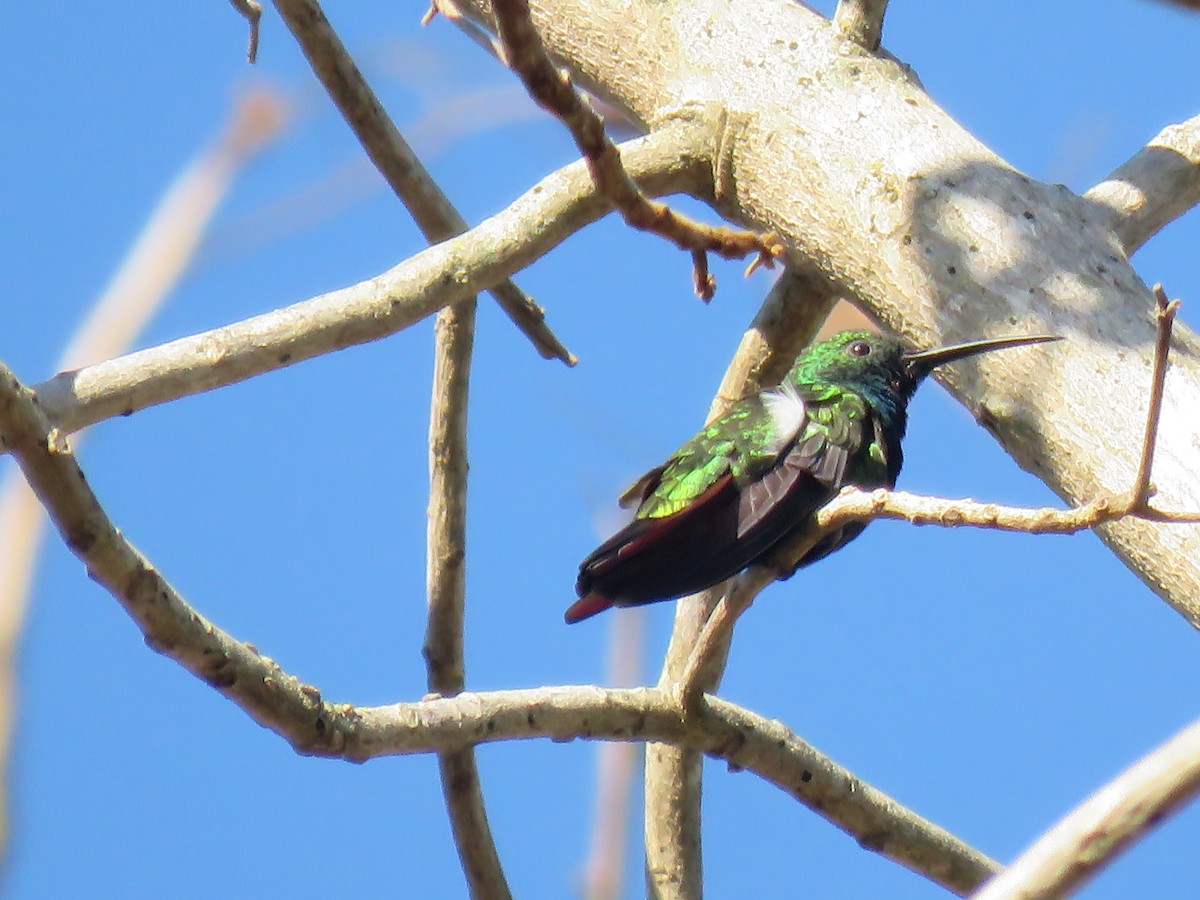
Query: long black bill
[(925, 361)]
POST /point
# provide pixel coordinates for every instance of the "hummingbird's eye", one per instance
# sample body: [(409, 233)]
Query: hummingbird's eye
[(859, 348)]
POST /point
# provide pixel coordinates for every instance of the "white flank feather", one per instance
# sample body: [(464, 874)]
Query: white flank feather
[(786, 408)]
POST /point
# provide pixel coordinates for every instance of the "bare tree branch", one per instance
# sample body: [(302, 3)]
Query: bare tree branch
[(922, 226), (395, 160), (314, 726), (789, 317), (549, 87), (446, 579), (1158, 185), (447, 273), (861, 21), (1107, 823)]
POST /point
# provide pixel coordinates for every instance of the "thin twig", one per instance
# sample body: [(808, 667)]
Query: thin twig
[(479, 35), (552, 90), (446, 585), (438, 276), (251, 10), (855, 505), (1105, 824), (394, 158), (861, 21), (1164, 317)]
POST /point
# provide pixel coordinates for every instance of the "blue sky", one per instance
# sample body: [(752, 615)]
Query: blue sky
[(988, 681)]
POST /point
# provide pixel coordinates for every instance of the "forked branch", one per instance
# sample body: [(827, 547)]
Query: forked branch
[(397, 163), (552, 90), (315, 726)]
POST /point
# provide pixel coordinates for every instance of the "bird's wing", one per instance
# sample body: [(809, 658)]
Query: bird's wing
[(719, 449), (814, 461), (725, 498), (636, 492)]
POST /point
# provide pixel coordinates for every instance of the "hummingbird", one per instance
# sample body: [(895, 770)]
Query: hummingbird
[(760, 472)]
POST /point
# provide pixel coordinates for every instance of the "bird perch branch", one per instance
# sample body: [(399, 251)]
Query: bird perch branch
[(314, 726), (854, 505)]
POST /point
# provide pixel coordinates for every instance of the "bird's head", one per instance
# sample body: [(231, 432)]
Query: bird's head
[(879, 368)]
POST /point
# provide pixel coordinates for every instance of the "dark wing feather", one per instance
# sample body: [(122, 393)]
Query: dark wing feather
[(642, 488), (660, 558), (748, 503)]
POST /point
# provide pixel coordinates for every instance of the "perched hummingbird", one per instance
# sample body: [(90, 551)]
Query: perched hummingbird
[(761, 471)]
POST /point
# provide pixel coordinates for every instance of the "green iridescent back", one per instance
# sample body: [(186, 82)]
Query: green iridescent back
[(846, 410)]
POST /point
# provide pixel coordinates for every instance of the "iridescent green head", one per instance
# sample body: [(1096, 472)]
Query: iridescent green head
[(878, 367)]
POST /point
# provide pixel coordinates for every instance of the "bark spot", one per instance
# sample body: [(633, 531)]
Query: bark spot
[(81, 540), (221, 672), (873, 840)]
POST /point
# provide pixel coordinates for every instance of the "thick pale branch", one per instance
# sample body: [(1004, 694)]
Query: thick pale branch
[(395, 160), (861, 21), (1158, 185), (1105, 824), (926, 229), (669, 160)]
